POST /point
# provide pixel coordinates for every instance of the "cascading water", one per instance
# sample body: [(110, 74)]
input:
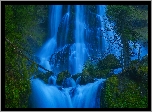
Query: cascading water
[(50, 46), (100, 30), (73, 38), (86, 96), (65, 28), (49, 96), (77, 57)]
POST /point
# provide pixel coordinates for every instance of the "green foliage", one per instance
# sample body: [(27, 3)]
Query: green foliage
[(131, 23), (101, 69), (89, 69), (21, 23), (110, 61), (125, 17), (129, 89), (17, 81), (137, 71), (85, 79), (121, 92), (144, 60)]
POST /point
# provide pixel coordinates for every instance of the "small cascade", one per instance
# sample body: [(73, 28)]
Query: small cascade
[(49, 96), (46, 96), (78, 80), (86, 96)]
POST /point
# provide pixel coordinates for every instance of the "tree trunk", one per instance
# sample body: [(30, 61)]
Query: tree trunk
[(126, 56)]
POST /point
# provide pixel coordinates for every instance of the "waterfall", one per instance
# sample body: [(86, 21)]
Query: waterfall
[(55, 19), (77, 57), (75, 35), (46, 52), (100, 31), (64, 29), (49, 47), (49, 96), (86, 96)]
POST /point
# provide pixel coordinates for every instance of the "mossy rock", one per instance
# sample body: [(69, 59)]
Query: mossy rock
[(76, 76), (44, 76), (85, 79), (61, 76)]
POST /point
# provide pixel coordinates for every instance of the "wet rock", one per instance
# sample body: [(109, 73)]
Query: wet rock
[(43, 76), (62, 76), (68, 82)]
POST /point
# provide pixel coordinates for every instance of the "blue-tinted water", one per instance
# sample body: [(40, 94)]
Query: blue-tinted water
[(86, 41)]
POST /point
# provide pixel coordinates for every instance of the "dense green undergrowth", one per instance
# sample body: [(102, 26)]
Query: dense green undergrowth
[(23, 24)]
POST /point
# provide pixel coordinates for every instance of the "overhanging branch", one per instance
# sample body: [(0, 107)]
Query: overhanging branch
[(22, 54)]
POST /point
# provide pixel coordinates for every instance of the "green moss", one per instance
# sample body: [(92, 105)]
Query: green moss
[(62, 76), (17, 85)]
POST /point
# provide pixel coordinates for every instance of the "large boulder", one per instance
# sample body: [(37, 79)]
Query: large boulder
[(62, 76)]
